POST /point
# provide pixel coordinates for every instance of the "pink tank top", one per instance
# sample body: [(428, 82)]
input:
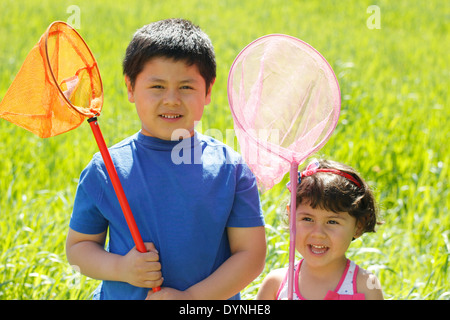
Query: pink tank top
[(345, 290)]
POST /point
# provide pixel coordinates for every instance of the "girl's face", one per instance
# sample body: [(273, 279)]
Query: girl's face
[(323, 236)]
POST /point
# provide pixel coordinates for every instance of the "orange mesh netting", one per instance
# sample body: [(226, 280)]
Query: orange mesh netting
[(58, 85)]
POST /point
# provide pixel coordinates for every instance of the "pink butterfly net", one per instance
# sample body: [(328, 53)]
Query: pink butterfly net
[(285, 101)]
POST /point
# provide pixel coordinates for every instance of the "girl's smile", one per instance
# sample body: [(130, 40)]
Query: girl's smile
[(318, 250)]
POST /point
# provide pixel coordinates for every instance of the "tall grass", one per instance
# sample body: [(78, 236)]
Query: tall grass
[(393, 128)]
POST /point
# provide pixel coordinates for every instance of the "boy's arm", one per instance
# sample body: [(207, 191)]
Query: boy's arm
[(87, 252), (248, 253)]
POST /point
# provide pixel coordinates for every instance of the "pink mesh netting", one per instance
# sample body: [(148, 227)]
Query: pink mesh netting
[(285, 102)]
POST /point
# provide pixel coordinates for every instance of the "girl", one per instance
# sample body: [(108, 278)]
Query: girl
[(334, 207)]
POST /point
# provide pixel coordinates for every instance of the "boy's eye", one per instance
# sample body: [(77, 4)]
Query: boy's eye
[(186, 87), (156, 86), (333, 222)]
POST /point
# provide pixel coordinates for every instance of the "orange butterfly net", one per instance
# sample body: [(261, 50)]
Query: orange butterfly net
[(57, 87)]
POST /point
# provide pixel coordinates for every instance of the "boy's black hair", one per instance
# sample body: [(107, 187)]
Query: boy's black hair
[(178, 39)]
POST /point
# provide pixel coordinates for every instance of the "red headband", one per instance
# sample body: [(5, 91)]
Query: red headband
[(313, 167)]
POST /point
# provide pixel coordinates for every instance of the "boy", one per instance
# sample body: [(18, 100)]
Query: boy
[(200, 220)]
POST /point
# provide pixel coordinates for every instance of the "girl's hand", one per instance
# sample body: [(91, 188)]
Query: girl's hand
[(141, 269)]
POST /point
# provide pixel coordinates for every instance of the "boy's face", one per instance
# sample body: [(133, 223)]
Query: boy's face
[(169, 95)]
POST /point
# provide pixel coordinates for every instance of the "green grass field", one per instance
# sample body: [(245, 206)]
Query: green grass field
[(393, 128)]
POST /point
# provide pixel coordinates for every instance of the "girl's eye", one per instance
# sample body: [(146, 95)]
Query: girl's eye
[(306, 219), (333, 222)]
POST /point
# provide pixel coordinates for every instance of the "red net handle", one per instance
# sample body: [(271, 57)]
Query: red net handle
[(118, 188)]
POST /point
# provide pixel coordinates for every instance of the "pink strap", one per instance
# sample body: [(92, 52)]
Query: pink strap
[(281, 286), (331, 295), (334, 295), (344, 274), (354, 279)]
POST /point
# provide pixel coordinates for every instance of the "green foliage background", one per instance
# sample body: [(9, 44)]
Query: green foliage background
[(393, 128)]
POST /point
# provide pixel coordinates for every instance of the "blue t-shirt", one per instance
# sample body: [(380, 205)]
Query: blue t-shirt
[(183, 196)]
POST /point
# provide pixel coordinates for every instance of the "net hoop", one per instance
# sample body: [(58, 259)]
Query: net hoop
[(60, 27), (267, 145)]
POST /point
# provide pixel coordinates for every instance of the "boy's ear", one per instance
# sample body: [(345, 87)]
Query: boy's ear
[(208, 93), (129, 89)]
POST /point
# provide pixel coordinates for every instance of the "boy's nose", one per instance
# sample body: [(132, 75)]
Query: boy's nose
[(172, 98)]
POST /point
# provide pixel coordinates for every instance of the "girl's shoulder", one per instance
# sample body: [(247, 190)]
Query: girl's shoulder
[(271, 284), (369, 284), (277, 274)]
